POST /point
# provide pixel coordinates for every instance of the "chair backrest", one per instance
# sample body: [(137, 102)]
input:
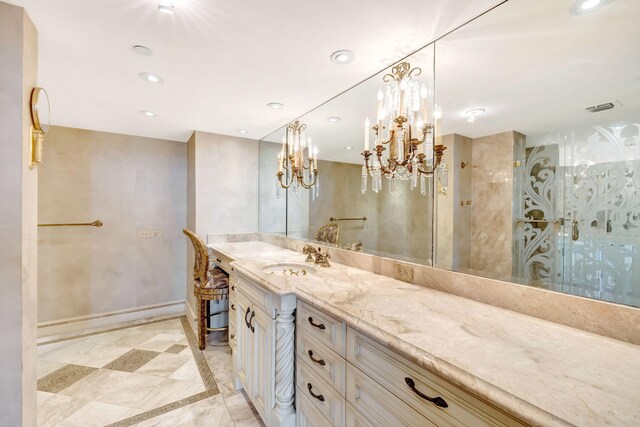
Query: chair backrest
[(329, 233), (201, 264)]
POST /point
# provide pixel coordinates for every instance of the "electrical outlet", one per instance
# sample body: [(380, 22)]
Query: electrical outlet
[(156, 234), (403, 272), (144, 234), (238, 237)]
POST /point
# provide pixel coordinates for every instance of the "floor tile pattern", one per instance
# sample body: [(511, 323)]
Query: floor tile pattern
[(63, 377), (148, 375), (132, 360)]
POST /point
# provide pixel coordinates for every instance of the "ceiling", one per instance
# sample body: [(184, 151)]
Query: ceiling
[(533, 66), (221, 61)]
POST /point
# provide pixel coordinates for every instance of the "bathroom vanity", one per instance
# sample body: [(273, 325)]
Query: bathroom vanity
[(341, 346)]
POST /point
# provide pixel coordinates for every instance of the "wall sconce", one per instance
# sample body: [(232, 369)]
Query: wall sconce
[(40, 119)]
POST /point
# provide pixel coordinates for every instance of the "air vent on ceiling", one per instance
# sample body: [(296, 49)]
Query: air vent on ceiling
[(600, 107)]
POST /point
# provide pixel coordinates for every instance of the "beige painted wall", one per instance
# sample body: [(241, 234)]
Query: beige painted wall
[(340, 197), (130, 183), (18, 220), (222, 188), (272, 209), (398, 225)]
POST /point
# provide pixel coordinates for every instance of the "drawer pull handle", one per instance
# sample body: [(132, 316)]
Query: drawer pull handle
[(317, 396), (438, 401), (253, 314), (246, 322), (318, 361), (233, 307), (218, 260), (320, 326)]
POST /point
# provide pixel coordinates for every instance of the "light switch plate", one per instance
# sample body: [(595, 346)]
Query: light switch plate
[(403, 272), (238, 237)]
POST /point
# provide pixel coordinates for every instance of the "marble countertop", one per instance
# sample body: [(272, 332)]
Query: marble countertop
[(544, 373)]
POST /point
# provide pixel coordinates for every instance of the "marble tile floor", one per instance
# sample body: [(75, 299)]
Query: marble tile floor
[(145, 375)]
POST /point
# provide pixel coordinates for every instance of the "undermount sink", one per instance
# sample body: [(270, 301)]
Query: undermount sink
[(288, 269)]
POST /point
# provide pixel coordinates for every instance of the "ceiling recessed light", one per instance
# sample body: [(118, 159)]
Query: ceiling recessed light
[(342, 56), (275, 105), (348, 147), (471, 114), (584, 6), (142, 50), (166, 7), (242, 131), (147, 113), (333, 119), (151, 77)]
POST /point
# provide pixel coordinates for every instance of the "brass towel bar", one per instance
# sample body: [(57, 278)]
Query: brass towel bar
[(96, 223), (364, 218)]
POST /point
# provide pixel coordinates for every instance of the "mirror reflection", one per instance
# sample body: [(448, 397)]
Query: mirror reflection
[(388, 214), (541, 124), (535, 154)]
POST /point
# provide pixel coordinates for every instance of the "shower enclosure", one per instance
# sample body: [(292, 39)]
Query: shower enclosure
[(577, 216)]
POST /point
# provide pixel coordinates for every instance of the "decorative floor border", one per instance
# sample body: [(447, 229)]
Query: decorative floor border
[(201, 362)]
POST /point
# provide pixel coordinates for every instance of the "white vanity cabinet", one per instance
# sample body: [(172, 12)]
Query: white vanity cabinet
[(263, 357), (256, 334), (345, 378), (320, 368), (390, 390)]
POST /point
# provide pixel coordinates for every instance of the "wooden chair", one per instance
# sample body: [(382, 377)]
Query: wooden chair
[(209, 284)]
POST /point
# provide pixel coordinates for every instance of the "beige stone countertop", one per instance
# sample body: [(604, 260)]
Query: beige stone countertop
[(542, 372)]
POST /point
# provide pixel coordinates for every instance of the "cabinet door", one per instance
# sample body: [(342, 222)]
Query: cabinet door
[(244, 340), (263, 368)]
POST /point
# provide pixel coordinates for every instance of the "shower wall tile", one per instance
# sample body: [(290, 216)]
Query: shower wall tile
[(131, 184), (492, 195)]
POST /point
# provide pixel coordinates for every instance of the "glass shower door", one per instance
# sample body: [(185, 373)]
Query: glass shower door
[(601, 235)]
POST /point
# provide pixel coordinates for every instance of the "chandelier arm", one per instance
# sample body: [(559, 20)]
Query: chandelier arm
[(309, 186), (392, 134), (289, 182)]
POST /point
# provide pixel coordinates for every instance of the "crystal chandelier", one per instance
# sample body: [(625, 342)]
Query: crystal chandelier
[(402, 104), (292, 166)]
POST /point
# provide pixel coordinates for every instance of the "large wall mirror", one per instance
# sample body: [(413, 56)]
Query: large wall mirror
[(541, 106), (538, 106), (396, 223)]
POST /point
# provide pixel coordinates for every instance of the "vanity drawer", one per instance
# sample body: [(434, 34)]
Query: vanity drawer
[(258, 296), (393, 372), (354, 418), (325, 399), (377, 405), (221, 261), (307, 415), (322, 327), (233, 285), (324, 361)]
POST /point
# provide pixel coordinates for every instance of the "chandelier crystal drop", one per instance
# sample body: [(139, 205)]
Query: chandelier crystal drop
[(408, 134), (293, 169)]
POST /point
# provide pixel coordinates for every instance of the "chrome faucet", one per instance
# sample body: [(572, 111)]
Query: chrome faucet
[(316, 256)]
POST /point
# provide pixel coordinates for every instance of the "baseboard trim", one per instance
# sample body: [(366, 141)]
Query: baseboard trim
[(192, 317), (112, 318)]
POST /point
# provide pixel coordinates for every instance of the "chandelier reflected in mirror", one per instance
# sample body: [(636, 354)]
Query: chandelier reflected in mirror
[(408, 140), (293, 170)]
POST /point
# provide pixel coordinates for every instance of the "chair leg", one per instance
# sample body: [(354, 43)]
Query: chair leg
[(202, 323)]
